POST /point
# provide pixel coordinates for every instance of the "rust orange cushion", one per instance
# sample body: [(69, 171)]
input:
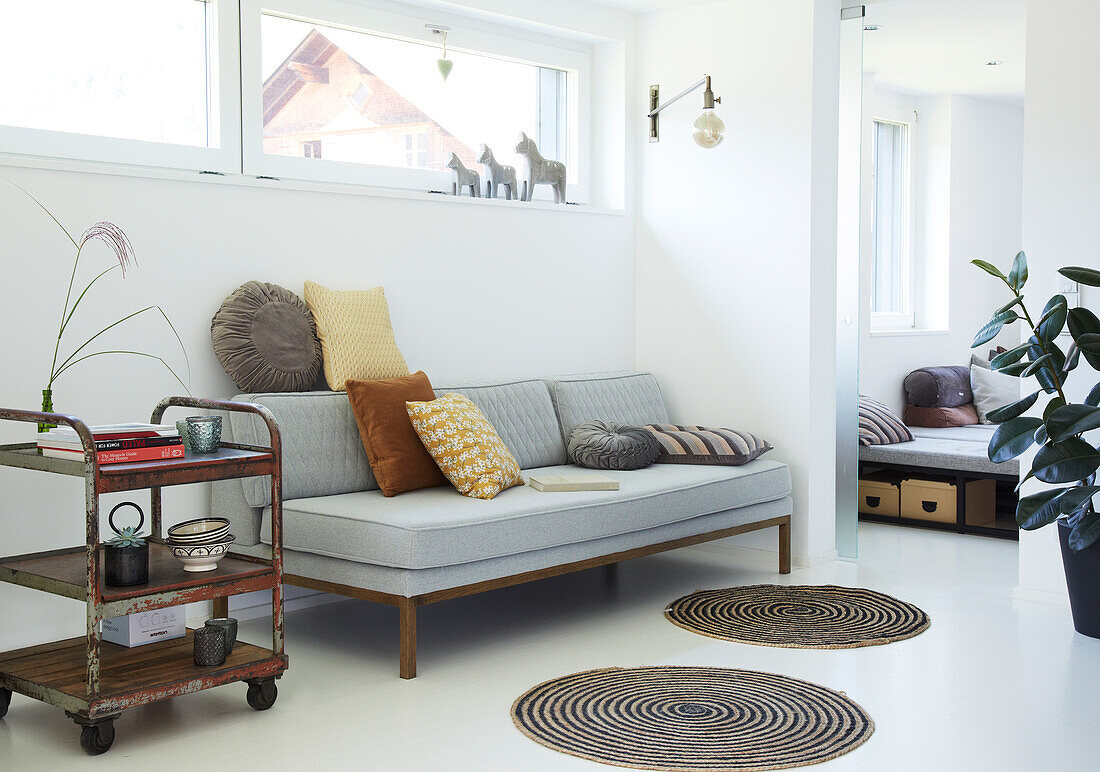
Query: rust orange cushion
[(397, 456), (941, 417)]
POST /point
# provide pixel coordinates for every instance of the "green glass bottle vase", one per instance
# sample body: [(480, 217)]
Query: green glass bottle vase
[(47, 407)]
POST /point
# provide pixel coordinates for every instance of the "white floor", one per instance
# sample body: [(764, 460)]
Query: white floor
[(994, 684)]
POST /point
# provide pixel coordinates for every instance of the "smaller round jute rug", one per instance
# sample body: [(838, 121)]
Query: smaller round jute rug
[(799, 617), (692, 719)]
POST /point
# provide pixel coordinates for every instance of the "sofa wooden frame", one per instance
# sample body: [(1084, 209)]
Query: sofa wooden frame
[(407, 607)]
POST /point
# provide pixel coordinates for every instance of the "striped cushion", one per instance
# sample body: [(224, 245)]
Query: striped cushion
[(699, 445), (879, 426)]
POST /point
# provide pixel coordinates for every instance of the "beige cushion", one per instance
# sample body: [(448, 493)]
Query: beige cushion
[(355, 333), (992, 390)]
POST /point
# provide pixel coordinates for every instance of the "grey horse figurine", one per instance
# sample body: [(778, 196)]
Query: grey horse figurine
[(462, 178), (497, 174), (534, 170)]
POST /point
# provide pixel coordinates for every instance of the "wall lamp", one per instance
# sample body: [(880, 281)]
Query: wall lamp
[(709, 128)]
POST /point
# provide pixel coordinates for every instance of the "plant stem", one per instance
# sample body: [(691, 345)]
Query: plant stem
[(1042, 345), (64, 311)]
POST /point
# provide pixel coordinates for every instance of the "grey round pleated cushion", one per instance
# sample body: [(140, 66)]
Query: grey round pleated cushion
[(266, 340), (603, 445)]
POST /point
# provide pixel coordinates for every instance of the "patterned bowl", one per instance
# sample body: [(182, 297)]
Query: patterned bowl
[(204, 530), (202, 557)]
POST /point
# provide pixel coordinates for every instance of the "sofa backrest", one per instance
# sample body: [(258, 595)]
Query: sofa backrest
[(523, 415), (631, 398), (322, 452)]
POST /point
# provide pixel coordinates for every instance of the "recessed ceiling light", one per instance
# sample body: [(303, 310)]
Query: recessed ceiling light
[(871, 28), (994, 63)]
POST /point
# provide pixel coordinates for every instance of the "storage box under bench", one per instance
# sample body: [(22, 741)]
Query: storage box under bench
[(936, 499)]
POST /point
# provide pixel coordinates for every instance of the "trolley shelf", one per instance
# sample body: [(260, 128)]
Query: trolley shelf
[(128, 677), (228, 462), (64, 572)]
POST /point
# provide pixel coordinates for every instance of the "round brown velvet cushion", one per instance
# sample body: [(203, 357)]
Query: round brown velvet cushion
[(266, 340)]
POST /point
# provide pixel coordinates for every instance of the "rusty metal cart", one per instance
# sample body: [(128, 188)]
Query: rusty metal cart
[(95, 681)]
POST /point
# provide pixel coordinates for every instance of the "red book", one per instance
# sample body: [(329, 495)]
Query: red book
[(123, 456)]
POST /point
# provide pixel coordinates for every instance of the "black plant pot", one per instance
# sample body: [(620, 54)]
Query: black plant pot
[(126, 566), (1083, 579)]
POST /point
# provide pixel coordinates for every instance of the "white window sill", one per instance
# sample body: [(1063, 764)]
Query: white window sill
[(248, 181), (906, 333)]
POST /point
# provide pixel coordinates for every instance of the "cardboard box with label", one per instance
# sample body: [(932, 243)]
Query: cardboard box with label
[(146, 627)]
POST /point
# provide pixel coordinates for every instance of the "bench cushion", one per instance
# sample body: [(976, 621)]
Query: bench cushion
[(935, 453), (627, 398), (438, 527), (523, 416)]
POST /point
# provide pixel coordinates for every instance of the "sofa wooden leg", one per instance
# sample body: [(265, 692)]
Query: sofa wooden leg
[(407, 609), (785, 548), (221, 607), (611, 575)]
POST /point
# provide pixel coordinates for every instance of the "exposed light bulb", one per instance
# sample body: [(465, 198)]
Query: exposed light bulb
[(709, 129)]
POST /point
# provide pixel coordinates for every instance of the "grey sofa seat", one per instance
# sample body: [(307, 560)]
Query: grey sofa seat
[(439, 527)]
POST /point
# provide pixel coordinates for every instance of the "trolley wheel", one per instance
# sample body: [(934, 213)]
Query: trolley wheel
[(262, 693), (97, 738), (5, 700)]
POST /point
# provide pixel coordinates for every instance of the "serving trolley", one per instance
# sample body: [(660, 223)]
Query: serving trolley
[(94, 681)]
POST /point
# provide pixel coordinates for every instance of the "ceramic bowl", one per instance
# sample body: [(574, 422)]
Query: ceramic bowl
[(203, 557), (204, 530)]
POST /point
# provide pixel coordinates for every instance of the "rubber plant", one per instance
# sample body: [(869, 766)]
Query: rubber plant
[(119, 243), (1065, 459)]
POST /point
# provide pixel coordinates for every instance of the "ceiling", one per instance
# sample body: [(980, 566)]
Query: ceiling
[(941, 46)]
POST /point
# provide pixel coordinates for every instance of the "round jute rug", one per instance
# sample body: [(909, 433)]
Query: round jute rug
[(799, 617), (686, 719)]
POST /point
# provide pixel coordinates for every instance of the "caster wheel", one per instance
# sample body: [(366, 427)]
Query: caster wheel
[(5, 700), (97, 738), (262, 694)]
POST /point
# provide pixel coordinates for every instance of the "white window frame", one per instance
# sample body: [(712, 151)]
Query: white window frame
[(223, 109), (905, 319), (393, 20)]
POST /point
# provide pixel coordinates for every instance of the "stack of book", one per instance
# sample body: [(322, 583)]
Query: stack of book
[(115, 444)]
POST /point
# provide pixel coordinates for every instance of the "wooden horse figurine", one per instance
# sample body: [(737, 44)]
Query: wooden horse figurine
[(497, 174), (534, 169), (462, 178)]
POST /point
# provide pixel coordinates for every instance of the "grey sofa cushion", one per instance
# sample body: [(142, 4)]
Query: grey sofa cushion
[(629, 398), (603, 445), (938, 387), (438, 527), (322, 451), (522, 414)]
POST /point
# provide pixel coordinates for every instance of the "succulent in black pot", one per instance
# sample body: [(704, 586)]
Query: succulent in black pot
[(126, 556), (1065, 432)]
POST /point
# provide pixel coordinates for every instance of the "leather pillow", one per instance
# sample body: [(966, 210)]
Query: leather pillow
[(603, 445), (940, 417), (265, 338), (397, 456)]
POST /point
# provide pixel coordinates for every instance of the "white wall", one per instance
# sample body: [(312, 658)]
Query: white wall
[(474, 292), (1061, 199), (968, 190), (737, 245)]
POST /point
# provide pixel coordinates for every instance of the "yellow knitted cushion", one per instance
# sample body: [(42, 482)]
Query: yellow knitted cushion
[(355, 333), (465, 446)]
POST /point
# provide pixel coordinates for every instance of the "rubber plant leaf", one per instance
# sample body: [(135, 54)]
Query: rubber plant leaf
[(1015, 410), (1039, 509), (1017, 276), (1012, 438), (1065, 462), (1089, 276), (1070, 420)]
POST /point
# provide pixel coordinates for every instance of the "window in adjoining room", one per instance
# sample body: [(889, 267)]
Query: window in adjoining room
[(891, 264), (311, 149)]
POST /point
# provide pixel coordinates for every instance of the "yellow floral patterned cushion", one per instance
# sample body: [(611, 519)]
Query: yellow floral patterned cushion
[(465, 446), (356, 336)]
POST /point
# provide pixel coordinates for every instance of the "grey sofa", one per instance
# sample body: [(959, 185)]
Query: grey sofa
[(341, 535)]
